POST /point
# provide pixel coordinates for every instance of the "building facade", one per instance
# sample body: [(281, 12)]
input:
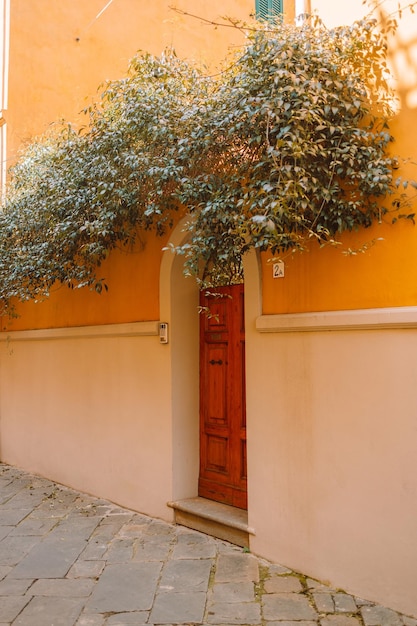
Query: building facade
[(91, 397)]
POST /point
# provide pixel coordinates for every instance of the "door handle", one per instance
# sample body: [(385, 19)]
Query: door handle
[(213, 362)]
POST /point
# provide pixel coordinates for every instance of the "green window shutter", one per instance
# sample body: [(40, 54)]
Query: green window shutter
[(267, 9)]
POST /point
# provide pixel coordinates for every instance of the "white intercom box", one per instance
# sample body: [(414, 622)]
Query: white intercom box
[(163, 332)]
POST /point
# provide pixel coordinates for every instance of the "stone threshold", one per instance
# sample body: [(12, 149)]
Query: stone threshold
[(213, 518)]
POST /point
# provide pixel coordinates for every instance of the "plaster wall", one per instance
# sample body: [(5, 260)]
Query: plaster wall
[(90, 46), (108, 409), (132, 279), (332, 443), (373, 267), (61, 52), (336, 14), (330, 414), (86, 409)]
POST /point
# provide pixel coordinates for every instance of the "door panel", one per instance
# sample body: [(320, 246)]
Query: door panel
[(222, 397)]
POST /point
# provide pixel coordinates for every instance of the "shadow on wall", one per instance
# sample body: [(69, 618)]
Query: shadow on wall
[(403, 54)]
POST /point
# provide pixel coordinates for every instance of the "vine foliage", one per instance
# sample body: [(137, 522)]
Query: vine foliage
[(290, 142)]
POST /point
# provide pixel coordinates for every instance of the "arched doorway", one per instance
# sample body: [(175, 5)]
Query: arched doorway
[(179, 306)]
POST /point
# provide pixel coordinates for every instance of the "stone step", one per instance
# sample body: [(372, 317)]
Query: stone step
[(213, 518)]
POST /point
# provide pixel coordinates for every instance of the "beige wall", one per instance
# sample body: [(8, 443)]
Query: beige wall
[(337, 13), (332, 443), (91, 413), (331, 412), (108, 409)]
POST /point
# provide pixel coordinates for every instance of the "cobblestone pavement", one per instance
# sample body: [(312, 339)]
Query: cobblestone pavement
[(67, 559)]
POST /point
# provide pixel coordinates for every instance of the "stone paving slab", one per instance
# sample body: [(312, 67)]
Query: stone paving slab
[(243, 613), (237, 567), (380, 616), (289, 606), (233, 592), (179, 608), (190, 575), (125, 587), (283, 584), (128, 619), (43, 611), (11, 607), (52, 557), (340, 620), (67, 559)]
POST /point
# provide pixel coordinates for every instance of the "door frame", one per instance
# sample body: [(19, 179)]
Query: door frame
[(179, 298)]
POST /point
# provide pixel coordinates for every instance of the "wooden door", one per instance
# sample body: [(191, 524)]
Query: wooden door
[(222, 396)]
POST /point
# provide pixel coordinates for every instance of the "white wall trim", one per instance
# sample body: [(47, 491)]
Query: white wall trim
[(358, 319), (133, 329)]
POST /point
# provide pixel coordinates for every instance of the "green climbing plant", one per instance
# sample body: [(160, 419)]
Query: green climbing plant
[(290, 142)]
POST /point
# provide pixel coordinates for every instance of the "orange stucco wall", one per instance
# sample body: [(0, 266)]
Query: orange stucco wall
[(384, 273), (132, 278), (381, 272), (60, 53), (325, 279)]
